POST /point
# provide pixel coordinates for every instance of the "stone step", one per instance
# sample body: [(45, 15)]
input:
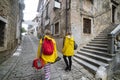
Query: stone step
[(99, 42), (106, 31), (95, 53), (95, 56), (89, 75), (96, 48), (105, 54), (103, 34), (99, 45), (87, 65), (91, 60), (101, 37)]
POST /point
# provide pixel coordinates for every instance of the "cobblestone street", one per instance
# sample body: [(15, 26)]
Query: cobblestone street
[(21, 65)]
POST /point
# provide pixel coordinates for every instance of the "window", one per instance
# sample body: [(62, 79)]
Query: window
[(52, 29), (113, 13), (56, 5), (2, 30), (36, 28), (56, 28), (57, 0), (114, 5), (92, 1), (86, 25)]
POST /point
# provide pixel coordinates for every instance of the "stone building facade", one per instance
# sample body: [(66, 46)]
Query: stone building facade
[(100, 14), (86, 19), (11, 17), (52, 15), (74, 15)]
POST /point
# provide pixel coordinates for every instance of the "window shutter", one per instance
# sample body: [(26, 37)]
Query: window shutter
[(2, 30), (57, 28), (86, 25)]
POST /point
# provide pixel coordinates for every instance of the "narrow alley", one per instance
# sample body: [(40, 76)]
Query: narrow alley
[(21, 65), (86, 32)]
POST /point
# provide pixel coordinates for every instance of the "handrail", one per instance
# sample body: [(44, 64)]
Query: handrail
[(116, 31), (111, 39)]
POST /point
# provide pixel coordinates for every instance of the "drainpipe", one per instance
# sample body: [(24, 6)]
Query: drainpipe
[(42, 22), (67, 8), (66, 19), (42, 26)]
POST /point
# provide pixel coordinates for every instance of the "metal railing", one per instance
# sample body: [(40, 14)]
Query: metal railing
[(113, 40)]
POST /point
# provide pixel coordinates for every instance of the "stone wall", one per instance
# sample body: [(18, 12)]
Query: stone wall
[(100, 13), (9, 11), (76, 21), (81, 9), (62, 19)]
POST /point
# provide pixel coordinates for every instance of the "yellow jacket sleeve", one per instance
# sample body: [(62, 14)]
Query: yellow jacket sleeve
[(39, 49)]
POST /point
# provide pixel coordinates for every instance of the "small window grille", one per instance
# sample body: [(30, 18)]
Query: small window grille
[(86, 25), (57, 28), (2, 30)]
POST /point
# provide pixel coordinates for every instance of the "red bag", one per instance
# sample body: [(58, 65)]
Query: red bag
[(38, 63), (47, 47)]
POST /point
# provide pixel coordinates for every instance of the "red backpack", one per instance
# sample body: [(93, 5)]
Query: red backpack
[(47, 46)]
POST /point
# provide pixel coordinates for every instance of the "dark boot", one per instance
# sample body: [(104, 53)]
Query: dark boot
[(66, 62), (67, 68), (70, 63)]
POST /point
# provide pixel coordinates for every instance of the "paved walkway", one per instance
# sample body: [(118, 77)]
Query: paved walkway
[(19, 66)]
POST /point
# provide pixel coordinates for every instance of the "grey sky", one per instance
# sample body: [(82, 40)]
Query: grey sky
[(30, 10)]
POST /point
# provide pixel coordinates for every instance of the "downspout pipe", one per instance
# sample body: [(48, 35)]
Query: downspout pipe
[(42, 26), (67, 8), (66, 19)]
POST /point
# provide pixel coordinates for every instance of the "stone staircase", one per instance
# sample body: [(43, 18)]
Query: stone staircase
[(95, 54)]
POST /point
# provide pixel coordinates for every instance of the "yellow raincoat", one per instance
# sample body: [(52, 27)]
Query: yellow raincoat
[(68, 48), (48, 58)]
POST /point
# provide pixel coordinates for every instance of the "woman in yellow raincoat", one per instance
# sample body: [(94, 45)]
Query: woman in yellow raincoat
[(47, 58), (68, 51)]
